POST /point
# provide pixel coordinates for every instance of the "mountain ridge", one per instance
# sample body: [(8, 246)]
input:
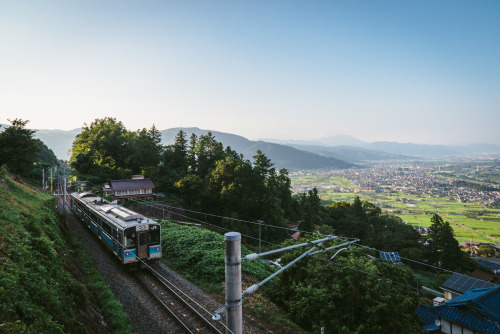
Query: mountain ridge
[(291, 154)]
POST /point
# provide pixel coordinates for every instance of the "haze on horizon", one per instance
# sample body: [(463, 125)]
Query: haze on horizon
[(406, 71)]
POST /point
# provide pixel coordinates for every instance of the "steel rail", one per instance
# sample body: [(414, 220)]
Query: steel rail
[(173, 293)]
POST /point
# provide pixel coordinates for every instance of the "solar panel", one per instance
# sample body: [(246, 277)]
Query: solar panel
[(462, 283), (390, 256)]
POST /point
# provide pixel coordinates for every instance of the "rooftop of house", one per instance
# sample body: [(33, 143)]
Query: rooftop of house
[(483, 276), (131, 184), (489, 265), (478, 309)]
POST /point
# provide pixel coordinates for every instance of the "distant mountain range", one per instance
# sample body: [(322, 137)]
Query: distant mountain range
[(340, 151), (389, 150)]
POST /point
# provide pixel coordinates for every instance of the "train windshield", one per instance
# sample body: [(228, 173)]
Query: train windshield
[(154, 234)]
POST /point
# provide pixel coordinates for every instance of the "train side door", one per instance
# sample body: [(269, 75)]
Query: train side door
[(142, 245)]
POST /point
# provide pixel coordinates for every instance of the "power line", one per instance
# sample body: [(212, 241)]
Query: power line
[(276, 227), (230, 218)]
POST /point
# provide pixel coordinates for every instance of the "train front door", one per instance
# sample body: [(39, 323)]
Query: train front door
[(142, 245)]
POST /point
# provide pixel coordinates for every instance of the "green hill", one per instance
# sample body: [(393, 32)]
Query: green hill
[(47, 283)]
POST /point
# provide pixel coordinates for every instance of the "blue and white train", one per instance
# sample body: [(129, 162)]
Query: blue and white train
[(131, 237)]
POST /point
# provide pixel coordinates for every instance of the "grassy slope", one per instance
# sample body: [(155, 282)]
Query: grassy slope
[(46, 286), (199, 255)]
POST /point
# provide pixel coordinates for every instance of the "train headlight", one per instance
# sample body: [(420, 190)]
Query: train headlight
[(157, 248), (127, 254)]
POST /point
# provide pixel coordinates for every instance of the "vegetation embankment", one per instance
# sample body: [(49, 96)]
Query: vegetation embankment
[(198, 255), (350, 294), (48, 284)]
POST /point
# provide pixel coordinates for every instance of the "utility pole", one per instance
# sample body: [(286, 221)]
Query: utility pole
[(233, 282), (260, 234), (234, 297), (51, 180), (64, 197), (43, 179)]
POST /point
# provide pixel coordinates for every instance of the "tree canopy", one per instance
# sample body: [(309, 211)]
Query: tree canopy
[(443, 248), (348, 294), (18, 148), (106, 150)]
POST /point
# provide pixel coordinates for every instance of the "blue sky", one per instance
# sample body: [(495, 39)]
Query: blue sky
[(406, 71)]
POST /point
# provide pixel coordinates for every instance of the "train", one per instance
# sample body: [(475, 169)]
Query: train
[(134, 239)]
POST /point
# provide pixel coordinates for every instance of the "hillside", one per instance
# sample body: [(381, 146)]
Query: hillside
[(350, 153), (282, 156), (46, 285)]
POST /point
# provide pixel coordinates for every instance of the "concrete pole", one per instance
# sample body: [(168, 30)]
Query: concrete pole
[(64, 197), (233, 282)]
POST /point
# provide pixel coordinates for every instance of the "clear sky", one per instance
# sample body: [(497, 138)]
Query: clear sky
[(421, 71)]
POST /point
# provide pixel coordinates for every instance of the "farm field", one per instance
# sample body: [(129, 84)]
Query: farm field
[(470, 221)]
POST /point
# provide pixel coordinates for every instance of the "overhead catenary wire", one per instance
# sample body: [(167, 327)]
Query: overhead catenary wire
[(279, 227), (380, 277), (318, 234), (234, 219)]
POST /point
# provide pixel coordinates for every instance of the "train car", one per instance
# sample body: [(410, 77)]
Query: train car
[(131, 237)]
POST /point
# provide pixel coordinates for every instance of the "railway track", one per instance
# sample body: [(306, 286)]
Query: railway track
[(185, 312)]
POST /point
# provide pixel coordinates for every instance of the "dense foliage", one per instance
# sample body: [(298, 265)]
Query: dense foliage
[(42, 289), (105, 151), (367, 222), (22, 154), (349, 294), (443, 248)]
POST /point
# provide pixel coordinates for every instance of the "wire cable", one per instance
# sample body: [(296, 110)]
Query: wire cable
[(234, 219)]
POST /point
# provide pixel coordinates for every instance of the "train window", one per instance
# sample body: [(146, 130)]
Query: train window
[(115, 235), (106, 228), (130, 238), (154, 236)]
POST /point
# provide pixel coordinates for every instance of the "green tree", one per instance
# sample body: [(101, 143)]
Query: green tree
[(18, 148), (180, 156), (144, 150), (190, 188), (311, 209), (105, 140), (262, 164), (348, 295), (191, 154), (443, 248)]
